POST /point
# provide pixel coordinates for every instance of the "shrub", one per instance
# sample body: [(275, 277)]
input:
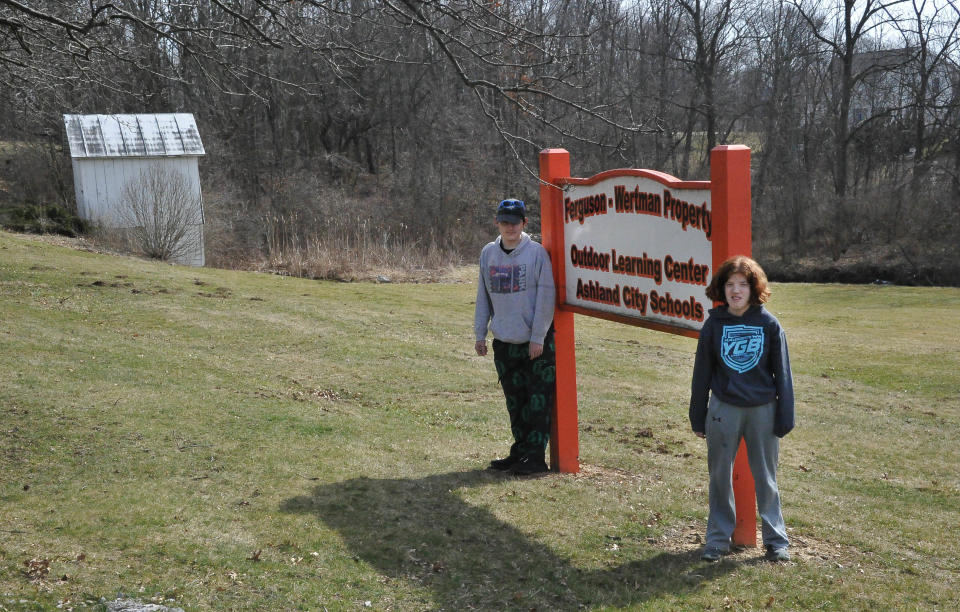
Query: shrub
[(162, 212), (45, 219)]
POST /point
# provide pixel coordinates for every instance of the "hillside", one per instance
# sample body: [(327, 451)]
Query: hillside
[(211, 439)]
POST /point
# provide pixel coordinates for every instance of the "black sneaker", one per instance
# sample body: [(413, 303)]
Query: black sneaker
[(529, 465), (502, 465), (777, 555)]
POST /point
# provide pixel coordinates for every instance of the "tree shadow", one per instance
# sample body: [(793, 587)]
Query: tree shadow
[(421, 531)]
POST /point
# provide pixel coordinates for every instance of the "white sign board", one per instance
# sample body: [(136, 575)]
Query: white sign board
[(636, 246)]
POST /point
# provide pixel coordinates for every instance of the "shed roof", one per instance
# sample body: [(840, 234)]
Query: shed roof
[(146, 135)]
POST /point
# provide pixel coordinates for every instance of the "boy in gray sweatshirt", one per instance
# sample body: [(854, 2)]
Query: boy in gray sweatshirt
[(515, 300)]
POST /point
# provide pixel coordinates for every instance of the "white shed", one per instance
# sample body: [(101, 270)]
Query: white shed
[(111, 153)]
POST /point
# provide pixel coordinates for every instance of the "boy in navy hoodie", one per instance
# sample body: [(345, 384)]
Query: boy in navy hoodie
[(515, 299), (742, 388)]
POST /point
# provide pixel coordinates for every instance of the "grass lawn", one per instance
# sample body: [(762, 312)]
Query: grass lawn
[(211, 439)]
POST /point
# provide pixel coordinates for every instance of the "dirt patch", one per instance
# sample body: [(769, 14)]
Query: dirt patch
[(803, 548)]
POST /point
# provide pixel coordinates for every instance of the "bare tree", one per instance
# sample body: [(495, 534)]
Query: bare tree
[(163, 214), (786, 66), (844, 34), (930, 28), (664, 39), (713, 37), (521, 57)]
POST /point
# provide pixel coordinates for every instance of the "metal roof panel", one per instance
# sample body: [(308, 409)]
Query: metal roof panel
[(139, 135)]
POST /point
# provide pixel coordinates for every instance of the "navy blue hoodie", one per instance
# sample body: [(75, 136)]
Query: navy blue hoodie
[(743, 361)]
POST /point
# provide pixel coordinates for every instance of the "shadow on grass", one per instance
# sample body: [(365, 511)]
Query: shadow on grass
[(421, 531)]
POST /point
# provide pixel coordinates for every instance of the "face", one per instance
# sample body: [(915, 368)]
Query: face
[(510, 233), (737, 292)]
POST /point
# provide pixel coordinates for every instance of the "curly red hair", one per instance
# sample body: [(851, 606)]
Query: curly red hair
[(759, 291)]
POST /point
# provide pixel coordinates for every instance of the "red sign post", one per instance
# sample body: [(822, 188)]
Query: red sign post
[(717, 214), (564, 440)]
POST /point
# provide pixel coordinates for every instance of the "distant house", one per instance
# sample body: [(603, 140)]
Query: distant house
[(110, 153), (887, 82), (884, 81)]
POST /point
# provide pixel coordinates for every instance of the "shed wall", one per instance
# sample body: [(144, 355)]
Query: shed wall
[(99, 184)]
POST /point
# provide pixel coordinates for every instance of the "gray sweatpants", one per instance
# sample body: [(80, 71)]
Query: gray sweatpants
[(726, 425)]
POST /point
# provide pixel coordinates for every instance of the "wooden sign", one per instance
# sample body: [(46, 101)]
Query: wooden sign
[(640, 247)]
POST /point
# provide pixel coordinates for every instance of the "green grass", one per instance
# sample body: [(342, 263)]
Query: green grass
[(231, 440)]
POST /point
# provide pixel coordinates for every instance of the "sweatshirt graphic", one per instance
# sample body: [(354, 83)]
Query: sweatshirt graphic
[(742, 347), (508, 279), (515, 293), (744, 362)]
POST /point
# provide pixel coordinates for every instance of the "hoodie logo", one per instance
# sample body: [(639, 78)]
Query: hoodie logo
[(508, 279), (742, 347)]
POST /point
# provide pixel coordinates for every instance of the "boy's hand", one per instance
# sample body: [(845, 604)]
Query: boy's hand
[(700, 434), (480, 347), (535, 350)]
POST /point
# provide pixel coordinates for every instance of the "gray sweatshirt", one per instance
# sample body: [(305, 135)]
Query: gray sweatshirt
[(515, 293)]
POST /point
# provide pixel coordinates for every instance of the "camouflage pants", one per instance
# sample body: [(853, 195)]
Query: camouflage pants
[(529, 388)]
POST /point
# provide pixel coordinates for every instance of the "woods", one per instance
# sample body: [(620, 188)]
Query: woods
[(337, 128)]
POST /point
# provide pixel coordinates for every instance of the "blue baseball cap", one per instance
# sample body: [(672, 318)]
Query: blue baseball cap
[(511, 211)]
